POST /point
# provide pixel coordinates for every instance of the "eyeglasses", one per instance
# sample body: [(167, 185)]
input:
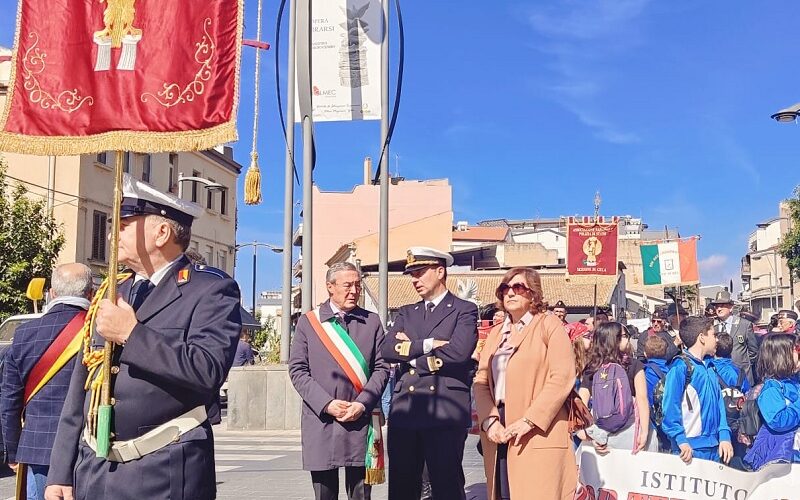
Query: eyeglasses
[(658, 322), (348, 286), (518, 288)]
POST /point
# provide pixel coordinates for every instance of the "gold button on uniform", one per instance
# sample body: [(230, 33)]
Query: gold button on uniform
[(114, 370), (411, 388), (412, 372), (433, 388)]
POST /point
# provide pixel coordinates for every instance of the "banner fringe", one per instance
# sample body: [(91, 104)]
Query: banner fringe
[(375, 476), (252, 182), (120, 140)]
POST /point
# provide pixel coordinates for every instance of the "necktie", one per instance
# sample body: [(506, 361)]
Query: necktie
[(340, 318), (723, 327), (139, 292), (429, 308)]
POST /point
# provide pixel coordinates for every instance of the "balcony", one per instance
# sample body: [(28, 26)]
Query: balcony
[(745, 267)]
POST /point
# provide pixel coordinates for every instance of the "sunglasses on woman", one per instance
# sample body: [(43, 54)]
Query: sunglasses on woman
[(518, 288)]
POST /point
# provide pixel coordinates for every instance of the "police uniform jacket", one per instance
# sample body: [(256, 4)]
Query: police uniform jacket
[(435, 392), (32, 444), (319, 379), (745, 346), (177, 356)]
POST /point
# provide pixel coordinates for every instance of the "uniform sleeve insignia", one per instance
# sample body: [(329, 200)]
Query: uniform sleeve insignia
[(183, 276), (434, 363), (403, 348)]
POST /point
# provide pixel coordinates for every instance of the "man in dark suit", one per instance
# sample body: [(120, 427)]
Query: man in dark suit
[(175, 326), (432, 340), (659, 324), (338, 412), (70, 291), (745, 343)]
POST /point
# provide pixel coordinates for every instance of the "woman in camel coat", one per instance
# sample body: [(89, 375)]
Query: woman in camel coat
[(525, 373)]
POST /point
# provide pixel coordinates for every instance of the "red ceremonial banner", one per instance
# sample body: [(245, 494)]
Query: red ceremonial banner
[(592, 248), (133, 75)]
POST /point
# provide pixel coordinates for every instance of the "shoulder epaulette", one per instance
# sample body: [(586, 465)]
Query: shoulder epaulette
[(210, 270)]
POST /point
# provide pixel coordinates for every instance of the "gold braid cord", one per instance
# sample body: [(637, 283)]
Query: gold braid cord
[(93, 357)]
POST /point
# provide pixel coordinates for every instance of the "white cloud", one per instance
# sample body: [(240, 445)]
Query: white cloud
[(719, 269), (581, 37)]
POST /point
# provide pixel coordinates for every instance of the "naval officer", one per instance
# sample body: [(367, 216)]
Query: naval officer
[(432, 340), (175, 326)]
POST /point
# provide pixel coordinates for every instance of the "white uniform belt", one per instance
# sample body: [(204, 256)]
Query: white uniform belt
[(154, 440)]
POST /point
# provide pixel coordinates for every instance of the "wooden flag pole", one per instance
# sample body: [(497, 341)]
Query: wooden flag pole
[(105, 409)]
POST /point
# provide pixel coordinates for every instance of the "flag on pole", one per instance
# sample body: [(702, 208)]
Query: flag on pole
[(132, 75), (670, 263)]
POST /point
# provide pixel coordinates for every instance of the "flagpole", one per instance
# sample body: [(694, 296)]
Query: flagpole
[(383, 245), (105, 409)]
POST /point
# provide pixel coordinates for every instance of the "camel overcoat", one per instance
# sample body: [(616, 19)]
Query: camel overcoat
[(539, 376)]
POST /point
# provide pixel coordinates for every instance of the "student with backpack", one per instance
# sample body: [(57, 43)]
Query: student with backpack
[(615, 383), (655, 372), (694, 413), (734, 385), (778, 402)]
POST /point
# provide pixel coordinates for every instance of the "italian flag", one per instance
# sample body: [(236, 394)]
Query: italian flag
[(670, 263)]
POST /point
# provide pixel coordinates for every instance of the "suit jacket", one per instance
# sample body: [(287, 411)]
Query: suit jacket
[(319, 379), (32, 444), (177, 356), (539, 376), (745, 346), (435, 392)]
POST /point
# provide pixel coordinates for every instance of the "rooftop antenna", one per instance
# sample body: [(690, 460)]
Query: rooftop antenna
[(597, 201)]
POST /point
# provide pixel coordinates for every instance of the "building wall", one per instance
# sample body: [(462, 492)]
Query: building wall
[(342, 217), (549, 238)]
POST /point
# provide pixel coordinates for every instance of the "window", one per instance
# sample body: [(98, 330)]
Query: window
[(146, 166), (99, 235), (209, 255), (223, 202), (195, 173), (127, 162), (222, 260), (173, 173), (210, 197), (102, 158)]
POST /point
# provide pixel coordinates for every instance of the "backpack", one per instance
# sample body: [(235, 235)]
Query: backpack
[(657, 415), (750, 416), (612, 400), (733, 399)]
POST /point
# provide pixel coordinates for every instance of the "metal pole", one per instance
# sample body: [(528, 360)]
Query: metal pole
[(383, 247), (255, 258), (308, 215), (775, 268), (288, 194), (180, 185)]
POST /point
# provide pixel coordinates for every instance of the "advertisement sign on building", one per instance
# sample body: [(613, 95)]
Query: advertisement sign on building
[(346, 40), (592, 246)]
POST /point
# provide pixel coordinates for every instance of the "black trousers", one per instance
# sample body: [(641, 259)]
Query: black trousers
[(441, 449), (326, 484), (502, 489)]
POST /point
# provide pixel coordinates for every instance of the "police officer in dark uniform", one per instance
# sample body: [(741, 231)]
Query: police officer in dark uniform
[(432, 340), (560, 311), (175, 326)]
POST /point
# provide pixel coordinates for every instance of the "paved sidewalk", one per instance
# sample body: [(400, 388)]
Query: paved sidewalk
[(267, 466)]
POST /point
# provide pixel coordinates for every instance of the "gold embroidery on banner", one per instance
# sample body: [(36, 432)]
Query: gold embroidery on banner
[(118, 21), (172, 94), (33, 64)]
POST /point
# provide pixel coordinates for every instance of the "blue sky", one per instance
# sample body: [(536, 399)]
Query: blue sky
[(530, 107)]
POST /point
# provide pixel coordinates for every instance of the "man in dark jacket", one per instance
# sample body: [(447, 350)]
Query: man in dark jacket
[(175, 327), (745, 343), (433, 341), (337, 368), (658, 326), (71, 289)]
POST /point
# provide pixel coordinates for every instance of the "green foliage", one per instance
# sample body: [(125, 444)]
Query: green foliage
[(267, 341), (30, 240), (790, 246)]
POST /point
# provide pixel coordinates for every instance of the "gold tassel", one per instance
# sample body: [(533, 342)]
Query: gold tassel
[(252, 182), (375, 476)]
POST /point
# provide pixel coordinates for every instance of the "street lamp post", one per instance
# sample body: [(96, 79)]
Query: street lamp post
[(255, 245), (210, 185)]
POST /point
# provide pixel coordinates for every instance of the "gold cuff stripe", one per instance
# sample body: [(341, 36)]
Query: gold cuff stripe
[(403, 348)]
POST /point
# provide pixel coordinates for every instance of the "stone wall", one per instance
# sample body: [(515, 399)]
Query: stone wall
[(262, 398)]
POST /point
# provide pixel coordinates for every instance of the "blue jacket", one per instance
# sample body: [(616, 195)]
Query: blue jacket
[(779, 403), (694, 414), (652, 369), (32, 444), (729, 372)]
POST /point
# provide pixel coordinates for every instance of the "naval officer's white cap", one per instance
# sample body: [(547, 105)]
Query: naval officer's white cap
[(419, 257), (140, 198)]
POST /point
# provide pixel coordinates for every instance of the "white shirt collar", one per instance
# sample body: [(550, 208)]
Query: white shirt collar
[(436, 300), (522, 323), (335, 309), (157, 276)]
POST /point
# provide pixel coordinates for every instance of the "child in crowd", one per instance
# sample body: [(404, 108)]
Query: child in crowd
[(778, 402), (655, 370), (731, 375), (581, 339), (694, 413), (607, 360)]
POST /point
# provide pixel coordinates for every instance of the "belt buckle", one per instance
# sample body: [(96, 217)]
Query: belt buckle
[(126, 451)]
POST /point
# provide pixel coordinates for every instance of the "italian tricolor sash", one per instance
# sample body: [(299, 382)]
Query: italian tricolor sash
[(346, 354)]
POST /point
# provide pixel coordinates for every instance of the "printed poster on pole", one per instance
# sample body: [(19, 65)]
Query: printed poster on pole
[(592, 246), (346, 40)]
